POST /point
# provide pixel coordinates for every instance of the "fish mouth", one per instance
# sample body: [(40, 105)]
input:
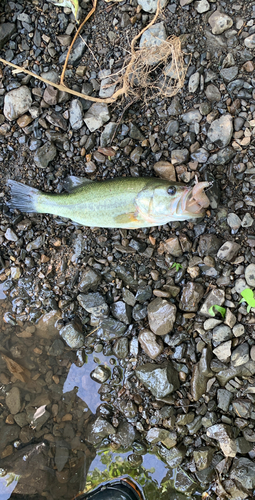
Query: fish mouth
[(194, 200)]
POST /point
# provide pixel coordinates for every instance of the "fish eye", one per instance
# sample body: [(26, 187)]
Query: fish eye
[(171, 190)]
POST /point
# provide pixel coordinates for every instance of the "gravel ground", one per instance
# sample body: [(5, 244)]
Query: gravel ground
[(173, 381)]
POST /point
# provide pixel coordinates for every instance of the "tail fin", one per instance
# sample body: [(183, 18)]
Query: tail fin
[(23, 197)]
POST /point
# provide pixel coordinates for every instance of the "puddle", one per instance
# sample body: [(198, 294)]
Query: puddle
[(48, 401)]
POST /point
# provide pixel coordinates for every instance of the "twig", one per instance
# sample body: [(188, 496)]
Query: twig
[(62, 78)]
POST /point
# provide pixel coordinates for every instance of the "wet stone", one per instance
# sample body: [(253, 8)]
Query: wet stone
[(175, 107), (50, 95), (44, 155), (10, 235), (223, 351), (96, 430), (110, 329), (230, 319), (216, 296), (210, 323), (6, 31), (223, 156), (94, 303), (161, 380), (161, 316), (122, 311), (209, 244), (135, 133), (8, 434), (242, 471), (151, 344), (125, 436), (13, 400), (173, 247), (179, 156), (57, 348), (35, 244), (89, 280), (192, 293), (228, 251), (128, 408), (136, 154), (224, 398), (240, 355), (203, 457), (139, 312), (101, 374), (167, 438), (223, 434), (72, 337), (221, 333), (128, 297), (250, 275), (61, 457), (174, 456), (120, 348)]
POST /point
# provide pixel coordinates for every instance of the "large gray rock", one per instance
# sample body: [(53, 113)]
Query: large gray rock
[(223, 434), (249, 42), (44, 155), (73, 337), (221, 130), (6, 31), (89, 280), (96, 116), (219, 22), (77, 52), (152, 38), (215, 297), (17, 102), (161, 380), (161, 316), (94, 303), (97, 429), (228, 251), (167, 438), (151, 344), (192, 293), (174, 456), (110, 329)]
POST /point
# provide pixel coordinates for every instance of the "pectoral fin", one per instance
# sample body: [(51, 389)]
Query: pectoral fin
[(129, 219)]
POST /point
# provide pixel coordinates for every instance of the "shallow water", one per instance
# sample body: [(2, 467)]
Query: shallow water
[(42, 450)]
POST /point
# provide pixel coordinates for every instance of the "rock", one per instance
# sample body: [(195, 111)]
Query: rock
[(125, 436), (221, 333), (151, 5), (144, 292), (51, 75), (96, 116), (174, 456), (240, 355), (152, 39), (173, 247), (192, 293), (238, 330), (72, 337), (120, 348), (6, 31), (17, 102), (76, 114), (208, 245), (13, 400), (175, 107), (192, 116), (77, 52), (151, 344), (89, 280), (167, 438), (8, 434), (161, 380), (185, 2), (107, 88), (252, 353), (46, 326), (223, 156), (224, 398), (210, 323), (136, 154), (94, 303), (44, 155), (223, 434), (229, 74), (220, 131), (219, 22), (242, 471), (107, 134), (97, 429), (161, 316), (250, 275), (203, 457), (10, 235), (172, 128), (128, 408), (228, 251), (202, 6), (200, 155), (194, 82), (230, 319), (249, 42), (223, 351), (217, 297), (100, 374), (110, 329), (179, 156), (165, 170), (61, 457), (57, 348), (50, 95), (212, 93), (122, 311), (247, 220), (135, 133)]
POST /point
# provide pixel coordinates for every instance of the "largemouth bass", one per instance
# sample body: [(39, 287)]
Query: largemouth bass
[(124, 202)]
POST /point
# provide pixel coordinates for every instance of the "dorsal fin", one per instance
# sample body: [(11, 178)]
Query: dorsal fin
[(72, 182)]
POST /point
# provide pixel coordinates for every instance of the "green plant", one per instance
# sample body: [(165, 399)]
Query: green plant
[(219, 309), (176, 266), (249, 298)]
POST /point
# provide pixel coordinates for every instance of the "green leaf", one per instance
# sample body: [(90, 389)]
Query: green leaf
[(176, 266), (219, 309), (248, 297), (71, 4)]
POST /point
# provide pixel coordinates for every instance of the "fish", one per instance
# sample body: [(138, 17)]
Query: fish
[(122, 202)]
